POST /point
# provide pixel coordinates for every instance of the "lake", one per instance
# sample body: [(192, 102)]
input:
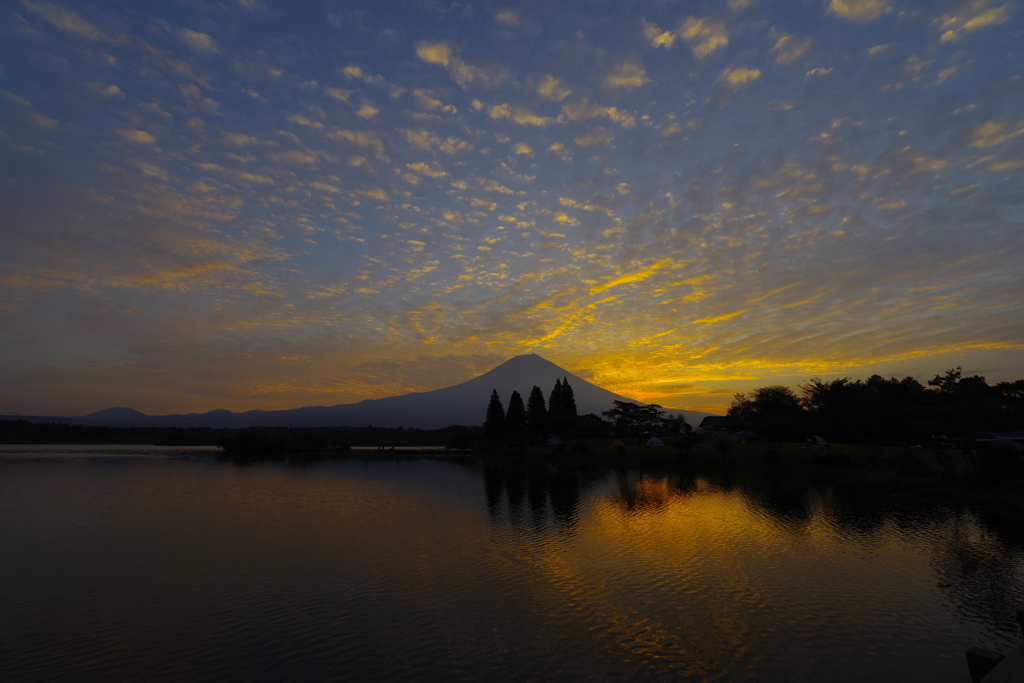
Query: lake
[(167, 564)]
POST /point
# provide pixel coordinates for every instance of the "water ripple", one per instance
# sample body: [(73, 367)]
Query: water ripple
[(177, 568)]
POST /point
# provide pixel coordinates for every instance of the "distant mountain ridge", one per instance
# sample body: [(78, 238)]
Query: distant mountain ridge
[(464, 404)]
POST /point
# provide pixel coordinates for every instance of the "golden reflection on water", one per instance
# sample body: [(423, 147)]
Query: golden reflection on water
[(695, 573), (493, 569)]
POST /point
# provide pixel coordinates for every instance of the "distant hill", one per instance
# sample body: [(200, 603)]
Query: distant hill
[(464, 404)]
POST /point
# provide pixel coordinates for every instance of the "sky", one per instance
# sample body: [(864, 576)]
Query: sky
[(257, 204)]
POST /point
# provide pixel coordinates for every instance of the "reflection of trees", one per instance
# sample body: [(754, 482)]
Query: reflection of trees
[(537, 491), (639, 492), (978, 564), (564, 490), (857, 511), (981, 572), (493, 488), (779, 498), (548, 490)]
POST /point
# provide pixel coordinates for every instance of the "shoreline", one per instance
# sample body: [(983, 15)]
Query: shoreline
[(944, 476), (961, 487)]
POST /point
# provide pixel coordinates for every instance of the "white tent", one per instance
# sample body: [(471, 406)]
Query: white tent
[(655, 442)]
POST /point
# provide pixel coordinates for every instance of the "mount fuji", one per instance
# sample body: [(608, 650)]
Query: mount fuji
[(464, 404)]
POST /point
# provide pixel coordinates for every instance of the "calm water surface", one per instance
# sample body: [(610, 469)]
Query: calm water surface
[(148, 564)]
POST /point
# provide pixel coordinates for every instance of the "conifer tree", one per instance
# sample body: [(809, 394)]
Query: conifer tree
[(569, 414), (555, 415), (536, 414), (494, 425), (515, 418)]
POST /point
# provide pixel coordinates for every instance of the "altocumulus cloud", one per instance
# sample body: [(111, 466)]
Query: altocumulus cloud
[(250, 205)]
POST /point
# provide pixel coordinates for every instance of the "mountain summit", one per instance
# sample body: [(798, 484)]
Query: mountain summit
[(521, 374), (115, 414), (464, 404)]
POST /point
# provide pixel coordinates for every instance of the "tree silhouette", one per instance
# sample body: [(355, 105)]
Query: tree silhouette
[(630, 417), (774, 412), (515, 418), (880, 411), (555, 407), (840, 409), (1010, 414), (569, 415), (536, 414), (494, 425), (593, 425), (950, 381)]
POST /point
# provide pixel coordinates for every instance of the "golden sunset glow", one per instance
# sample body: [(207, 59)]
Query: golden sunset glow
[(268, 206)]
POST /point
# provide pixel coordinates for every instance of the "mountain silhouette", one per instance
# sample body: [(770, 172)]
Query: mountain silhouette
[(115, 414), (464, 404)]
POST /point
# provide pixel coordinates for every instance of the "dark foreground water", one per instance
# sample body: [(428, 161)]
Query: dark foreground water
[(149, 564)]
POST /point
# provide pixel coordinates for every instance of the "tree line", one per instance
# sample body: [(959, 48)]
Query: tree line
[(536, 419), (951, 408), (897, 412)]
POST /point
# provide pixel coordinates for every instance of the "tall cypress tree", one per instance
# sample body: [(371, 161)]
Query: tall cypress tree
[(555, 415), (515, 418), (536, 414), (569, 414), (494, 425)]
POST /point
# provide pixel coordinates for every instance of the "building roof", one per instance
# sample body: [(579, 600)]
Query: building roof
[(720, 421)]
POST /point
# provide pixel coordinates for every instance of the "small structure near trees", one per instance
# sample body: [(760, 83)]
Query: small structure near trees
[(720, 423)]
